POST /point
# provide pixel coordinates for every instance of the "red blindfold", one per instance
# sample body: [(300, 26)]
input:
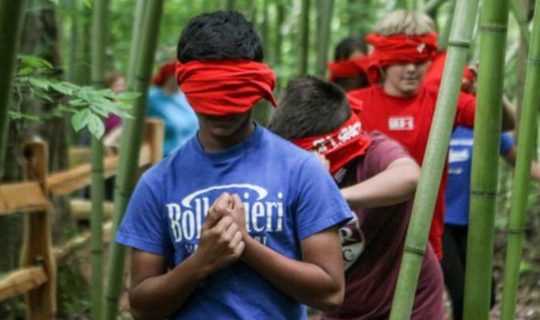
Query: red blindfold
[(339, 146), (223, 87)]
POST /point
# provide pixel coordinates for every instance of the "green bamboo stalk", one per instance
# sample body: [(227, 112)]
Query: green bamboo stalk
[(98, 61), (304, 37), (141, 62), (520, 192), (439, 138), (229, 5), (520, 15), (326, 11), (445, 34), (432, 6), (493, 27), (278, 45), (11, 20)]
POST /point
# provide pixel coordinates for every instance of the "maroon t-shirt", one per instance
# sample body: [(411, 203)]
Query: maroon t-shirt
[(373, 266)]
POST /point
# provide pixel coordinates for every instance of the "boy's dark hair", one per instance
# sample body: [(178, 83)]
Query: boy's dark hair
[(347, 46), (309, 107), (219, 35)]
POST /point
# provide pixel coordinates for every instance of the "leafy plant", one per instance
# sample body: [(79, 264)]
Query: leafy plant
[(89, 106)]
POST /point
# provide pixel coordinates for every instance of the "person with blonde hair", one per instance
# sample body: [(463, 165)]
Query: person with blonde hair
[(401, 107)]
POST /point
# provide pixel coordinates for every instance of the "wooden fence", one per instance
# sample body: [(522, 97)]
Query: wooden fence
[(36, 277)]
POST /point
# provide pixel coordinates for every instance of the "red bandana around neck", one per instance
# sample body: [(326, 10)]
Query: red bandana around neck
[(400, 48), (348, 68), (339, 146), (224, 87), (165, 70)]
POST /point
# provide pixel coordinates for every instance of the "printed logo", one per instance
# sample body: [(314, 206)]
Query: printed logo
[(262, 215), (329, 143), (401, 123), (353, 242), (458, 155)]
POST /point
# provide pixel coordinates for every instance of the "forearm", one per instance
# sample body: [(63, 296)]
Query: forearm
[(302, 281), (508, 118), (160, 296), (392, 186)]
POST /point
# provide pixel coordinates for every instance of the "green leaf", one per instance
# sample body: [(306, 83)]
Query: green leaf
[(95, 126), (63, 88), (34, 62), (80, 119), (128, 96), (15, 115), (40, 83)]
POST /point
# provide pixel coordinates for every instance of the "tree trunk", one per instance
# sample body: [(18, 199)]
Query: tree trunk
[(493, 26), (437, 147), (526, 143), (99, 41), (142, 60), (326, 10), (11, 18), (303, 41)]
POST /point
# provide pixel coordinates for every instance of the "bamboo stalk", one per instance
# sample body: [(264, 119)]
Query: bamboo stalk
[(11, 19), (520, 15), (99, 38), (304, 38), (520, 192), (445, 34), (131, 139), (439, 138), (493, 27), (432, 6), (326, 11)]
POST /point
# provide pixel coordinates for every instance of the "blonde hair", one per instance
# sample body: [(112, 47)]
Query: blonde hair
[(412, 23)]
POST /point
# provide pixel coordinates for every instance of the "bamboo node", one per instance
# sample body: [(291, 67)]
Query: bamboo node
[(484, 193), (533, 61), (460, 44), (494, 28), (518, 231), (415, 251)]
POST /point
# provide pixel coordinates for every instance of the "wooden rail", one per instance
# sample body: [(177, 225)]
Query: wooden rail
[(36, 278)]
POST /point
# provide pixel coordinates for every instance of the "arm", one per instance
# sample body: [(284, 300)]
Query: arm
[(510, 158), (156, 293), (394, 185), (317, 281)]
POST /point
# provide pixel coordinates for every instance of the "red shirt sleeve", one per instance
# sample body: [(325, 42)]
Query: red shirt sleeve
[(465, 110)]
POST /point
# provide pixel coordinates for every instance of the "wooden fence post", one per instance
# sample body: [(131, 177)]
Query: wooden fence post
[(37, 246), (154, 135)]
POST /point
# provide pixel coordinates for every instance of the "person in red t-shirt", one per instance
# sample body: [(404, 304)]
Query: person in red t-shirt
[(401, 107), (378, 178)]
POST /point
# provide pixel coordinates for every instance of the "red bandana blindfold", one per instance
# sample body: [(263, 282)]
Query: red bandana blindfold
[(164, 71), (224, 87), (339, 146), (400, 48), (348, 68)]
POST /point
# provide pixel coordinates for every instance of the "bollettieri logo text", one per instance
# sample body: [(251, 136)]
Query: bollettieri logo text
[(264, 212)]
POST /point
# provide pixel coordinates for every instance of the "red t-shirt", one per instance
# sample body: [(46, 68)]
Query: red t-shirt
[(371, 279), (408, 121)]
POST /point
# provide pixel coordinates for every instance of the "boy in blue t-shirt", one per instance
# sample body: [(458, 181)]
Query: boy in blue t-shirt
[(456, 220), (238, 223)]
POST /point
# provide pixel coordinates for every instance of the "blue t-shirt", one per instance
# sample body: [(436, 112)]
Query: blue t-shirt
[(288, 196), (459, 174), (179, 119)]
